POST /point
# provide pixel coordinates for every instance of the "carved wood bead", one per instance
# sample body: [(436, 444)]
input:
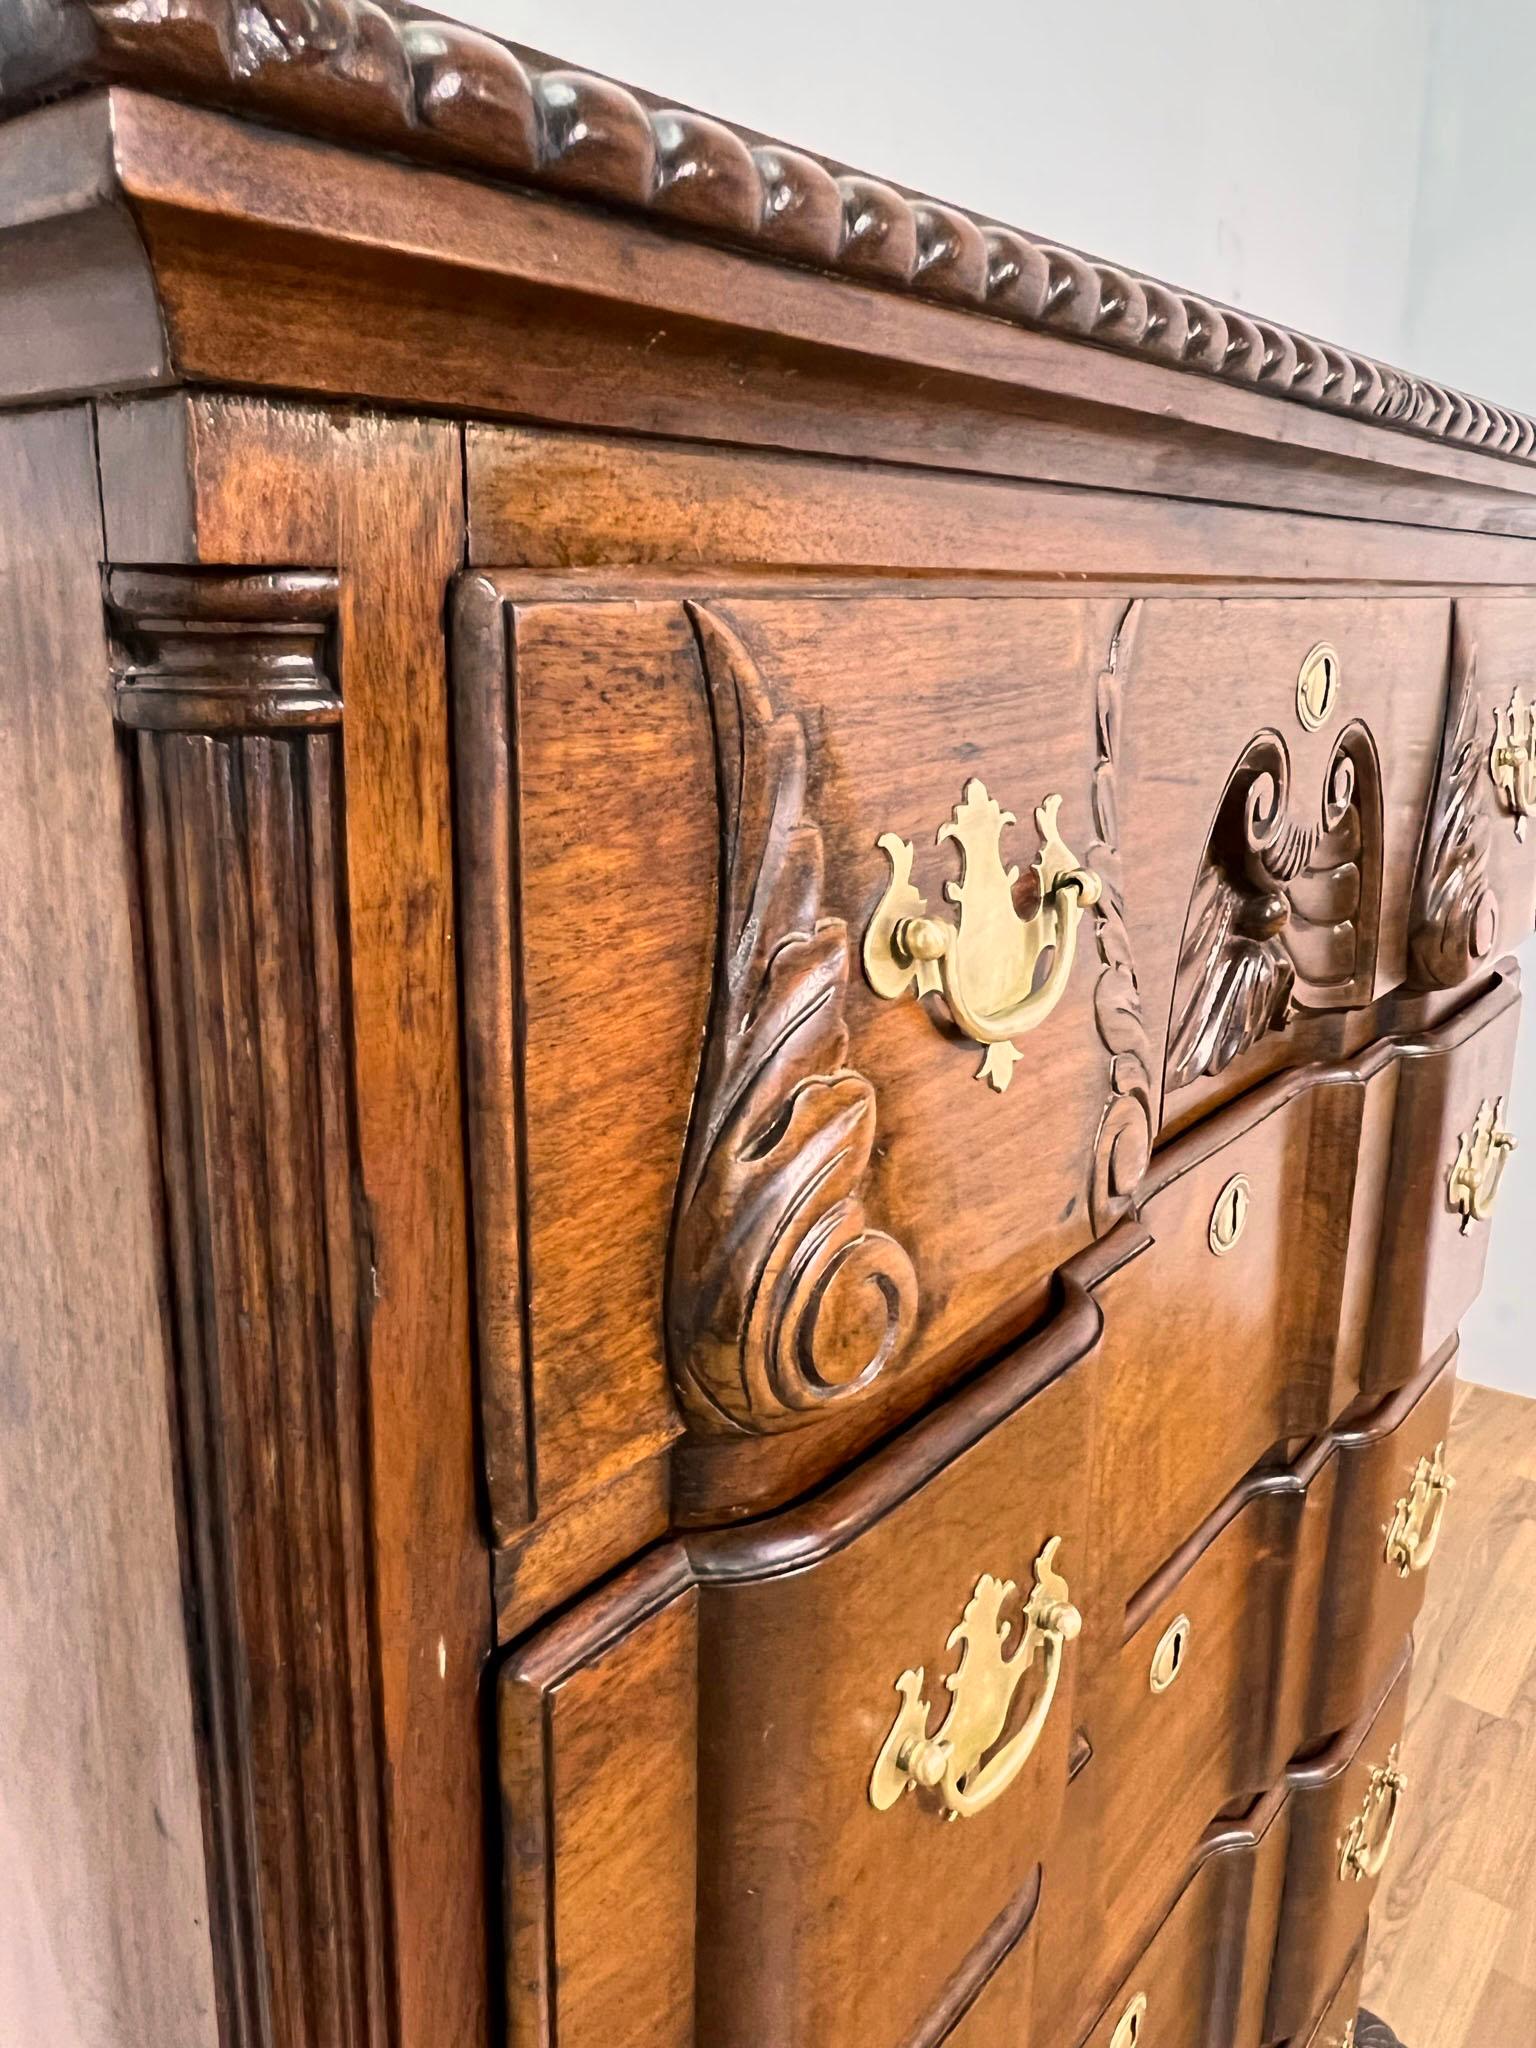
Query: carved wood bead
[(223, 682)]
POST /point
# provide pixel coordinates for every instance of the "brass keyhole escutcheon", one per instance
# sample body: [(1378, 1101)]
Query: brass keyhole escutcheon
[(1129, 2028), (1317, 686), (1168, 1657), (1229, 1218)]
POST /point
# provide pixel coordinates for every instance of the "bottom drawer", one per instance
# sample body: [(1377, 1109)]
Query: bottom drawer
[(1345, 1806), (1200, 1980), (1389, 1504), (1336, 2028)]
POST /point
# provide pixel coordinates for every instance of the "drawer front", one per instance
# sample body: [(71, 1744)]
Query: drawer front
[(754, 942), (1449, 1152), (1202, 1708), (1336, 2028), (1391, 1494), (1220, 1341), (1344, 1809), (1199, 1982), (1278, 758), (891, 1674)]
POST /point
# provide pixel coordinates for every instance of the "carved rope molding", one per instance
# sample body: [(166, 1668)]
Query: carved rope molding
[(781, 1300), (234, 725), (414, 83)]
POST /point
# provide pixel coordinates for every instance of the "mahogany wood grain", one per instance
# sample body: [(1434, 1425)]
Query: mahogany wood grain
[(1332, 2030), (105, 1932), (598, 1739), (1365, 1602), (1238, 1345), (381, 308), (1168, 1763), (1323, 1914), (539, 499), (1202, 1974), (1429, 1268), (576, 530), (375, 502)]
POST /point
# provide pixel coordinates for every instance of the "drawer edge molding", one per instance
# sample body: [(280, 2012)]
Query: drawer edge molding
[(776, 1282), (1454, 912)]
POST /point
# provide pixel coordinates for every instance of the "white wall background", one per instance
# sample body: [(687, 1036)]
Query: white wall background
[(1359, 168)]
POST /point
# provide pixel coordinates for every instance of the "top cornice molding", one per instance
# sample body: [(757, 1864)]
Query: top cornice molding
[(416, 84)]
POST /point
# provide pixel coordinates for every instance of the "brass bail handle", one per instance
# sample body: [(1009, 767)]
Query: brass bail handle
[(1512, 758), (1367, 1841), (1419, 1515), (960, 1765), (986, 964), (1478, 1170)]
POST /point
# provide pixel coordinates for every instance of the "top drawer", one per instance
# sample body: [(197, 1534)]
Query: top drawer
[(829, 962), (1476, 888)]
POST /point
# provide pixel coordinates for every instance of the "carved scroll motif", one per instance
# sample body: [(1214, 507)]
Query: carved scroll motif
[(1124, 1142), (1454, 919), (781, 1299), (1284, 909), (236, 731)]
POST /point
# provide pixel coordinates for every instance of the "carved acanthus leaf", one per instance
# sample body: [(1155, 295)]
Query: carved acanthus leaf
[(781, 1300), (1124, 1142), (1454, 920), (1283, 909)]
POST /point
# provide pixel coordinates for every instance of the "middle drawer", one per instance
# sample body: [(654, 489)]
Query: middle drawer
[(1202, 1707)]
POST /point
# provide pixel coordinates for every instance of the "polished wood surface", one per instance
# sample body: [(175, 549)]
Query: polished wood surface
[(105, 1929), (1453, 1937), (763, 1039)]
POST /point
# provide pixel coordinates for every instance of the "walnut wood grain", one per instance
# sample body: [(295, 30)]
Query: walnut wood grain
[(225, 682), (363, 72)]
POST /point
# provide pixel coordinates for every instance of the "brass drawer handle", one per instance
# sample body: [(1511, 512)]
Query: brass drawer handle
[(984, 964), (1479, 1167), (1129, 2026), (954, 1764), (1418, 1515), (1367, 1841), (1512, 758)]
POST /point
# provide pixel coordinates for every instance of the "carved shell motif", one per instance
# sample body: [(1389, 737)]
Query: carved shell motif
[(1281, 908), (781, 1299), (1454, 919)]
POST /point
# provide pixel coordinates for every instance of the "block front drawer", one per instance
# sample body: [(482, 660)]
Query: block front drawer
[(891, 1674)]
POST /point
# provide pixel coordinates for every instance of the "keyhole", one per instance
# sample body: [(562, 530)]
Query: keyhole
[(1317, 687), (1168, 1657), (1229, 1218)]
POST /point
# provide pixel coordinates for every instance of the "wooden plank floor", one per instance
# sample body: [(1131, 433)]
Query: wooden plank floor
[(1453, 1950)]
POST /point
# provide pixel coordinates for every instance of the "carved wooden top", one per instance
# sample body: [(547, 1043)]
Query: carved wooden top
[(404, 80)]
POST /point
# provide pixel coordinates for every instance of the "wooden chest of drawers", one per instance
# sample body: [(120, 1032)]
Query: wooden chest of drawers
[(758, 1024)]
